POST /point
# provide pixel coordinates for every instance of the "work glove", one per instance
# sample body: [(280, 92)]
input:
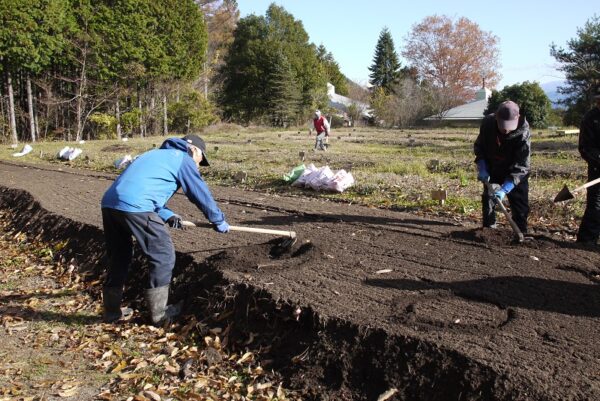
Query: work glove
[(221, 227), (175, 222), (501, 192), (482, 173)]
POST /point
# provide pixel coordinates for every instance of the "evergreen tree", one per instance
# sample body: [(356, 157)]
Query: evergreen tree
[(332, 71), (385, 70), (249, 66), (581, 65), (31, 34), (284, 92), (531, 98)]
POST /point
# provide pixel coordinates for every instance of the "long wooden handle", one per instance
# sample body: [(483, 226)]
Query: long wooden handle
[(586, 185), (290, 234)]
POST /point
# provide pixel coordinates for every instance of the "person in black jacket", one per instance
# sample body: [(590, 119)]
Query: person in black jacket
[(589, 148), (502, 154)]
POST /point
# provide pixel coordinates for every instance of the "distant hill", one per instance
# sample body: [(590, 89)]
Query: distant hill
[(550, 88)]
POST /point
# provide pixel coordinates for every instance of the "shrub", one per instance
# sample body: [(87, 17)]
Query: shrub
[(104, 126)]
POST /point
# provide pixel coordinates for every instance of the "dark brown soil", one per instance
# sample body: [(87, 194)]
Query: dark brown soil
[(367, 300)]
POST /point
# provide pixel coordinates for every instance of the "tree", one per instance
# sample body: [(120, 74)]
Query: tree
[(284, 95), (221, 18), (248, 72), (385, 70), (332, 71), (191, 113), (581, 65), (30, 35), (454, 56), (244, 71), (531, 98)]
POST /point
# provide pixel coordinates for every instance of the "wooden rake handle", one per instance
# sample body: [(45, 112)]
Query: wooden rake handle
[(290, 234)]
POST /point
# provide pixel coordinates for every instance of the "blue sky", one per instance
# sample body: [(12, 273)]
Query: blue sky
[(349, 29)]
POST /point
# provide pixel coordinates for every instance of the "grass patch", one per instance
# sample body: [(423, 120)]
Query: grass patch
[(392, 168)]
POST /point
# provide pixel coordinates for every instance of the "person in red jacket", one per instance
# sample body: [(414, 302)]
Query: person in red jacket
[(321, 125)]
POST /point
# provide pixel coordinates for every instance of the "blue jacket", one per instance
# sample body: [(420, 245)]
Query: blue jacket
[(153, 178)]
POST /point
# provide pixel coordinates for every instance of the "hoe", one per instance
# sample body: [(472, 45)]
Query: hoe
[(518, 234), (288, 237), (565, 194)]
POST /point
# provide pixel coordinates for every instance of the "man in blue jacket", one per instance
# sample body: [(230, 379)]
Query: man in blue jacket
[(502, 154), (134, 206)]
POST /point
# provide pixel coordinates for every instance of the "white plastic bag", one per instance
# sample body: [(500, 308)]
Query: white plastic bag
[(301, 181), (26, 149), (123, 162), (320, 178), (68, 153), (341, 181)]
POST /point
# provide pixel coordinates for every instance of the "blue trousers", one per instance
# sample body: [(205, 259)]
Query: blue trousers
[(151, 234)]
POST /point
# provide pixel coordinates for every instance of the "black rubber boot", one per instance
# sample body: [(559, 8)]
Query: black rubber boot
[(160, 312), (111, 297)]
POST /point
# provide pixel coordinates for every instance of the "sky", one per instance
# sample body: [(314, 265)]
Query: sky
[(349, 29)]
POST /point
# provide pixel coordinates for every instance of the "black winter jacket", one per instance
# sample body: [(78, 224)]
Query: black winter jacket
[(589, 137), (507, 155)]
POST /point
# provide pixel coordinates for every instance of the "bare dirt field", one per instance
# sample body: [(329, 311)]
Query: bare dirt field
[(368, 300)]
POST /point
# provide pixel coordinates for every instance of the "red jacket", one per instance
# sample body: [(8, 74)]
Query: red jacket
[(320, 124)]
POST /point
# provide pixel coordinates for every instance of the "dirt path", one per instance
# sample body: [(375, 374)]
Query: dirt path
[(377, 299)]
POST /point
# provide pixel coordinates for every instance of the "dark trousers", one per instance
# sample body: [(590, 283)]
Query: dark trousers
[(589, 230), (518, 199), (151, 235)]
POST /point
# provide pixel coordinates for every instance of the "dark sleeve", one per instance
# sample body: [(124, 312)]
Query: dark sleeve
[(197, 191), (522, 164), (588, 147), (479, 147)]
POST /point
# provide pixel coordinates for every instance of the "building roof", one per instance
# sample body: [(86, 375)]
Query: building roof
[(469, 111), (341, 103)]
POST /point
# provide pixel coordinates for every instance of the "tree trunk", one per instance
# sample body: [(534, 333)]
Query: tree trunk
[(79, 118), (118, 115), (37, 126), (81, 90), (141, 114), (11, 109), (152, 119), (205, 82), (165, 127), (30, 107)]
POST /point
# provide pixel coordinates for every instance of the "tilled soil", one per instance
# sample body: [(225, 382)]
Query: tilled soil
[(367, 300)]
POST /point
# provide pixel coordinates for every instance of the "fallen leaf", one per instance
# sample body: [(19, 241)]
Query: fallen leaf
[(120, 366), (69, 392), (388, 394), (246, 357), (152, 395)]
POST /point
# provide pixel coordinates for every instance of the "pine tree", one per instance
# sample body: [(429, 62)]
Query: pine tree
[(332, 70), (581, 65), (284, 92), (385, 70)]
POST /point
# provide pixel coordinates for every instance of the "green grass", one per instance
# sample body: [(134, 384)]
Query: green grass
[(393, 168)]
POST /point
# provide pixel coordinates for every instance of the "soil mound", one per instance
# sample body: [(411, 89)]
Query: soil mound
[(257, 259)]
